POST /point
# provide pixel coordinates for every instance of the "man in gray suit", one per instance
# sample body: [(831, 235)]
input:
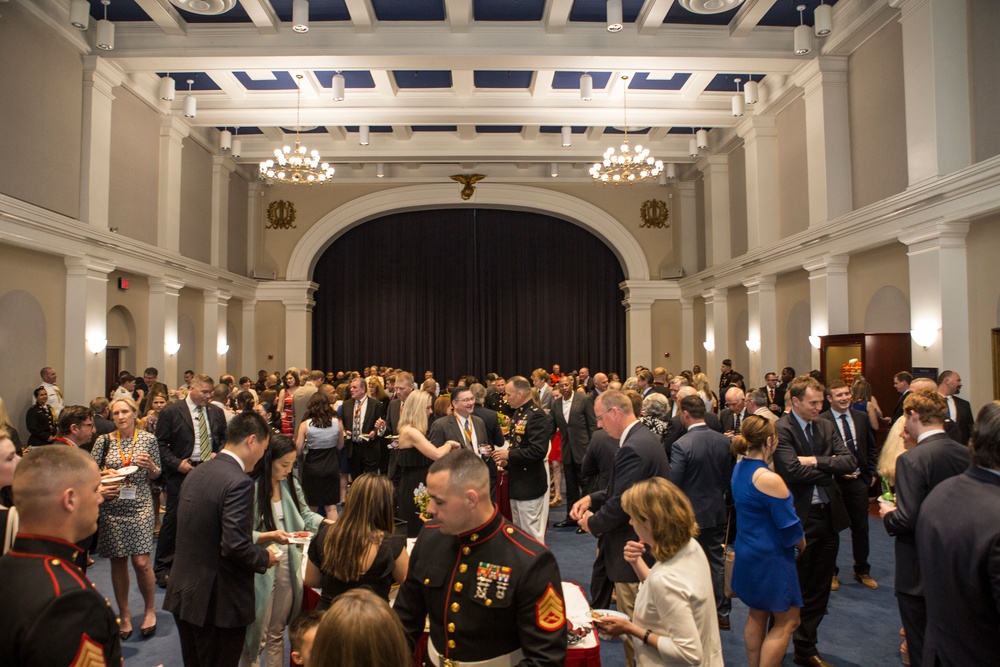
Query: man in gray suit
[(702, 465), (300, 399), (574, 417), (756, 404)]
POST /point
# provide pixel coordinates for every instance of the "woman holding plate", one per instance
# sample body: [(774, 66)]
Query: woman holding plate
[(125, 523), (281, 520)]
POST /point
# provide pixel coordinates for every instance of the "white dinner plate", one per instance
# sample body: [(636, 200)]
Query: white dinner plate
[(127, 470), (607, 612), (111, 480)]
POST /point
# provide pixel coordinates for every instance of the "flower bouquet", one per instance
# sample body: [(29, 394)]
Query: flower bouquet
[(422, 499)]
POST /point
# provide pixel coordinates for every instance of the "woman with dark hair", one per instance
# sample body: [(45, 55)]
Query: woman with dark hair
[(359, 550), (41, 419), (245, 402), (289, 383), (267, 410), (360, 629), (280, 514), (322, 435)]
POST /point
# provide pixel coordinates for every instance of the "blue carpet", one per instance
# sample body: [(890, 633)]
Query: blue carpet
[(861, 629)]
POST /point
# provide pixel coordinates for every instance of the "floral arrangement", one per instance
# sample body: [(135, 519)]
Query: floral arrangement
[(422, 499), (504, 422)]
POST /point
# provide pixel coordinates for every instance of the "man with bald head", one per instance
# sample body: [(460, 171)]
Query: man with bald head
[(600, 385), (734, 413), (52, 614)]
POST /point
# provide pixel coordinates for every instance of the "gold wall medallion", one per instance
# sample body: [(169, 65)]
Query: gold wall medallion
[(654, 213), (280, 215)]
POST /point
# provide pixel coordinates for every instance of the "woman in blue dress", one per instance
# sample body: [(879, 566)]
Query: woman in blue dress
[(770, 535)]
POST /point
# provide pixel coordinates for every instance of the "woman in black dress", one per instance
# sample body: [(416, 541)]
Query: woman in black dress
[(41, 420)]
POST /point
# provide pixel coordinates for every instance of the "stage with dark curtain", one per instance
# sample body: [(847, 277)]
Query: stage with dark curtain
[(468, 291)]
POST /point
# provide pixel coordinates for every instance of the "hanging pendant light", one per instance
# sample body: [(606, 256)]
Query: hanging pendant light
[(105, 31), (237, 150), (300, 15), (614, 15), (79, 14), (702, 137), (823, 20), (190, 101), (693, 145), (338, 87), (586, 87), (567, 135), (379, 170), (801, 38), (750, 91), (738, 100), (671, 170), (225, 140), (168, 88), (363, 135)]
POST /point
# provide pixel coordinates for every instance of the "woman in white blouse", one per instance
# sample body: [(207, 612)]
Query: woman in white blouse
[(675, 620)]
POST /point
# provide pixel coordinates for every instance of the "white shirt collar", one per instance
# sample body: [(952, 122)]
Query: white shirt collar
[(243, 466), (621, 440), (926, 434)]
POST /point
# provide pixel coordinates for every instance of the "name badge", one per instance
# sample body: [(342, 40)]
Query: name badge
[(127, 493)]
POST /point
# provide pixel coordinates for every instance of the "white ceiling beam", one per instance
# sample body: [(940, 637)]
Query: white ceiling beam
[(230, 85), (530, 132), (696, 85), (336, 132), (402, 132), (541, 83), (458, 14), (385, 83), (362, 15), (263, 16), (556, 15), (467, 132), (658, 134), (595, 132), (274, 134), (651, 16), (164, 15), (463, 82), (749, 16)]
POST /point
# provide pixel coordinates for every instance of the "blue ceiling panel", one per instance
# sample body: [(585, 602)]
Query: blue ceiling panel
[(725, 83), (615, 130), (498, 129), (678, 14), (243, 130), (409, 10), (372, 129), (121, 10), (362, 79), (501, 79), (557, 129), (596, 11), (641, 81), (783, 12), (281, 81), (508, 10), (319, 10), (408, 78), (202, 81), (571, 80), (687, 130), (434, 128), (290, 129)]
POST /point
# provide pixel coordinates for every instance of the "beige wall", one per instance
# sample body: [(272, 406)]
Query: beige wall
[(135, 301), (878, 286), (237, 251), (666, 335), (196, 201), (878, 113), (699, 195), (984, 26), (738, 202), (983, 245), (41, 77), (190, 319), (791, 293), (793, 178), (135, 149)]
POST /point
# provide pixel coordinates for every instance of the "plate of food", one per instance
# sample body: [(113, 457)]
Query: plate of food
[(597, 614), (300, 537), (127, 470)]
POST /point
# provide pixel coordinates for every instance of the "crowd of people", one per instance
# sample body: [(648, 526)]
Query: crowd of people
[(438, 498)]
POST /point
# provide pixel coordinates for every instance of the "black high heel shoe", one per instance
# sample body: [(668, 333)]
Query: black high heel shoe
[(148, 632), (124, 634)]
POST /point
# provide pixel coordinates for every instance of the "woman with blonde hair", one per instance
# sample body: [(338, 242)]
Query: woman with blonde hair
[(764, 574), (415, 455), (700, 382), (675, 620), (125, 523), (376, 391), (8, 515), (359, 550), (8, 425), (360, 629)]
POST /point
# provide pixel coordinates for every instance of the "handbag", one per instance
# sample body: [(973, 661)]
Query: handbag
[(729, 560)]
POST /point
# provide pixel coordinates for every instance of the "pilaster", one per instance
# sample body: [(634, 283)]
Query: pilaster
[(86, 328), (100, 78)]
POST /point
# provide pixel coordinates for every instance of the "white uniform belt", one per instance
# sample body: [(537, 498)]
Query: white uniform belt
[(438, 660)]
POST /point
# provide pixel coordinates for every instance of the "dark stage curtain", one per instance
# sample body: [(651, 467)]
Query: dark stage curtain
[(468, 291)]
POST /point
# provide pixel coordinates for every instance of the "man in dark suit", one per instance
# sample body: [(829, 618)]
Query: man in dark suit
[(540, 381), (734, 413), (856, 432), (211, 591), (781, 393), (152, 386), (189, 433), (363, 420), (461, 425), (573, 414), (640, 456), (403, 386), (102, 424), (935, 458), (583, 380), (702, 465), (963, 611), (676, 428), (901, 382), (809, 454), (644, 384), (770, 388), (959, 410)]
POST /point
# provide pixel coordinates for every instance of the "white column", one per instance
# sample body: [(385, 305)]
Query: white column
[(760, 146), (689, 227), (99, 79), (86, 320), (214, 332), (715, 170), (828, 137), (222, 167), (827, 297), (248, 358), (939, 294), (298, 323), (638, 330), (163, 295), (688, 352), (717, 327), (254, 230), (936, 86), (762, 327), (168, 221)]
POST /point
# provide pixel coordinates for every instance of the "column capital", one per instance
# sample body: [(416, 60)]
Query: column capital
[(88, 266), (757, 126), (715, 295), (642, 293), (249, 305), (174, 128), (907, 7), (687, 188), (287, 291), (713, 164), (223, 163), (936, 234), (101, 75), (822, 71), (826, 265), (216, 296), (760, 283), (165, 284), (687, 303)]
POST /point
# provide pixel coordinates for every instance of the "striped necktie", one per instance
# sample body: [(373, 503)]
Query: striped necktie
[(204, 440)]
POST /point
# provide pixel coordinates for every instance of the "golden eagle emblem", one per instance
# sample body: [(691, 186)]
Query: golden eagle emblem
[(468, 182)]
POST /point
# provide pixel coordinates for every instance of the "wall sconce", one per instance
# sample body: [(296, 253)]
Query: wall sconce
[(96, 345), (814, 341), (924, 336), (753, 344), (709, 345), (223, 348), (172, 348)]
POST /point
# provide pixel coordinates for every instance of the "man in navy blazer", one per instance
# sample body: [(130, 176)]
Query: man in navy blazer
[(935, 458), (211, 591), (640, 456), (856, 432), (963, 611), (573, 414), (701, 464), (178, 432), (809, 455)]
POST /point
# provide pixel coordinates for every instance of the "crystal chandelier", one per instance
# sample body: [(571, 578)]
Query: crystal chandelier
[(626, 166), (299, 165)]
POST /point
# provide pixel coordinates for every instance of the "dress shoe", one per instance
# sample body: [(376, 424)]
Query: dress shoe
[(148, 632), (124, 635), (580, 531), (565, 523), (162, 580), (724, 623), (811, 661), (834, 584), (867, 581)]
